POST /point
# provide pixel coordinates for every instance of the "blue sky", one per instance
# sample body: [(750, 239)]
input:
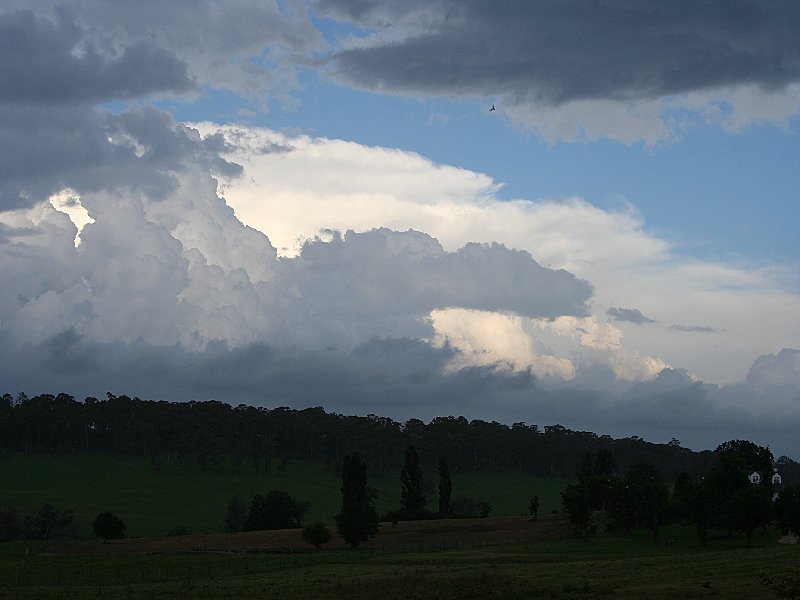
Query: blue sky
[(309, 203), (713, 193)]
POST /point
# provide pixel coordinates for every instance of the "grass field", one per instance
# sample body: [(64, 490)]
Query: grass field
[(500, 557), (151, 503), (601, 567)]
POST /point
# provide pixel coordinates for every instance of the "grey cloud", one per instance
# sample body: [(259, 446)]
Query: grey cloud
[(43, 151), (555, 52), (47, 62), (125, 49), (631, 315), (693, 328), (8, 233), (393, 273), (395, 377), (776, 372)]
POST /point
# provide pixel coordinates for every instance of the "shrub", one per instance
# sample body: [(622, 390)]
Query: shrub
[(108, 526), (316, 534)]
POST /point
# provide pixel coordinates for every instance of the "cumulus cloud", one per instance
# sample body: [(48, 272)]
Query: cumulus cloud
[(88, 150), (360, 188), (579, 69), (776, 372), (631, 315)]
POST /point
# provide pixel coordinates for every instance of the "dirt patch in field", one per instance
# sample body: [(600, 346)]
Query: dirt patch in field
[(422, 535)]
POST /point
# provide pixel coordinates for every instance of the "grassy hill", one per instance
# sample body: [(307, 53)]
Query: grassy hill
[(153, 502)]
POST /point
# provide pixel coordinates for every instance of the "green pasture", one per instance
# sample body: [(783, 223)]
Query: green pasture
[(602, 567), (153, 502)]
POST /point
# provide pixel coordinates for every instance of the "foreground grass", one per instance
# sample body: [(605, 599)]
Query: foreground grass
[(612, 567), (181, 496)]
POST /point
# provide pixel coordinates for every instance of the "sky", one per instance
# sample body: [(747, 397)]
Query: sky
[(310, 203)]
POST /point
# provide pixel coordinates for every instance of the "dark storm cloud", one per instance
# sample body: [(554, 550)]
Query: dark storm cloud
[(693, 328), (553, 52), (399, 378), (45, 62), (42, 151), (631, 315)]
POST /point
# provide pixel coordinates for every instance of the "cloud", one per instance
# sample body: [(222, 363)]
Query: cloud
[(360, 188), (47, 62), (396, 377), (552, 64), (693, 328), (88, 150), (776, 373), (248, 46), (631, 315)]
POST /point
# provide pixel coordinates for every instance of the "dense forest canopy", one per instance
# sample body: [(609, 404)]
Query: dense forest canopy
[(213, 432)]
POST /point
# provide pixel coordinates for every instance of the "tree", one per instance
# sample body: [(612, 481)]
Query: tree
[(701, 506), (649, 495), (412, 495), (276, 510), (577, 506), (108, 526), (728, 478), (357, 521), (237, 514), (787, 508), (10, 524), (682, 492), (316, 534), (445, 487), (533, 507), (752, 508)]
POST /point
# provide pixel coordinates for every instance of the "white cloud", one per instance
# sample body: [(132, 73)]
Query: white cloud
[(489, 338), (360, 187)]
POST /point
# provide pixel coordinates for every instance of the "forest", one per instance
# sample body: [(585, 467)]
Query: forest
[(212, 432)]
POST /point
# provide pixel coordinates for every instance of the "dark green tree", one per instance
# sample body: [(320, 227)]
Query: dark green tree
[(10, 524), (702, 510), (736, 460), (752, 508), (412, 495), (787, 508), (649, 495), (276, 510), (357, 521), (445, 487), (108, 526), (237, 514), (316, 534), (682, 493), (577, 506), (533, 507)]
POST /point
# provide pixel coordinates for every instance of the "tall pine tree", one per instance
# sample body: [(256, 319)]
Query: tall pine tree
[(412, 496), (358, 520)]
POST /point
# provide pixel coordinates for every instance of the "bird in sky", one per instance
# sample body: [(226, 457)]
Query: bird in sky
[(493, 108)]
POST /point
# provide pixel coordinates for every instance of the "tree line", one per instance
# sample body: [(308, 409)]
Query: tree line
[(725, 499), (217, 435)]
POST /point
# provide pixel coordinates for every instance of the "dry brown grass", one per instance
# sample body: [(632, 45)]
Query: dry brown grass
[(444, 533)]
